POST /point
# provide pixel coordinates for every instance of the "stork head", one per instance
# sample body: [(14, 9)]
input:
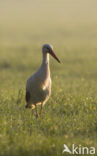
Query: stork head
[(47, 48)]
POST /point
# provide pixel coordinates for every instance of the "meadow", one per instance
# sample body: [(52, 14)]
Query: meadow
[(70, 115)]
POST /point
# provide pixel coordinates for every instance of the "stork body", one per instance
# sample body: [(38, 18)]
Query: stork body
[(38, 87)]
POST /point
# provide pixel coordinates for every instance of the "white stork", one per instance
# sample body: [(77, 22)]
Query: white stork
[(38, 86)]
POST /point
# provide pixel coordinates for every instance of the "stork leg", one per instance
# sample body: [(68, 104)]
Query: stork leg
[(41, 108), (36, 111)]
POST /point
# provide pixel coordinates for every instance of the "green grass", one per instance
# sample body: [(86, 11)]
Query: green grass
[(70, 115)]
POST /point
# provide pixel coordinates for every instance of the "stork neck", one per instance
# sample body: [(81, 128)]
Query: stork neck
[(45, 58)]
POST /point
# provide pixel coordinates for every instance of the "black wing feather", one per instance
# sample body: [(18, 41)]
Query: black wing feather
[(27, 96)]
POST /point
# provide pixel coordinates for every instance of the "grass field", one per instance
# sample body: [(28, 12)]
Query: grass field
[(70, 115)]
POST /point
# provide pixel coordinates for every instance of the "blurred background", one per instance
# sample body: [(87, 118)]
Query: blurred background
[(34, 22), (70, 116)]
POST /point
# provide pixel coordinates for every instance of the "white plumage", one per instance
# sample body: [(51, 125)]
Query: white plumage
[(38, 87)]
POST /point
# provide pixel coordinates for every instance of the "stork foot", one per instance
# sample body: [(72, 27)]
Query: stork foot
[(41, 109), (37, 115), (36, 111)]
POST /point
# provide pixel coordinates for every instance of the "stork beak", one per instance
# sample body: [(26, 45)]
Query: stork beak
[(53, 54)]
